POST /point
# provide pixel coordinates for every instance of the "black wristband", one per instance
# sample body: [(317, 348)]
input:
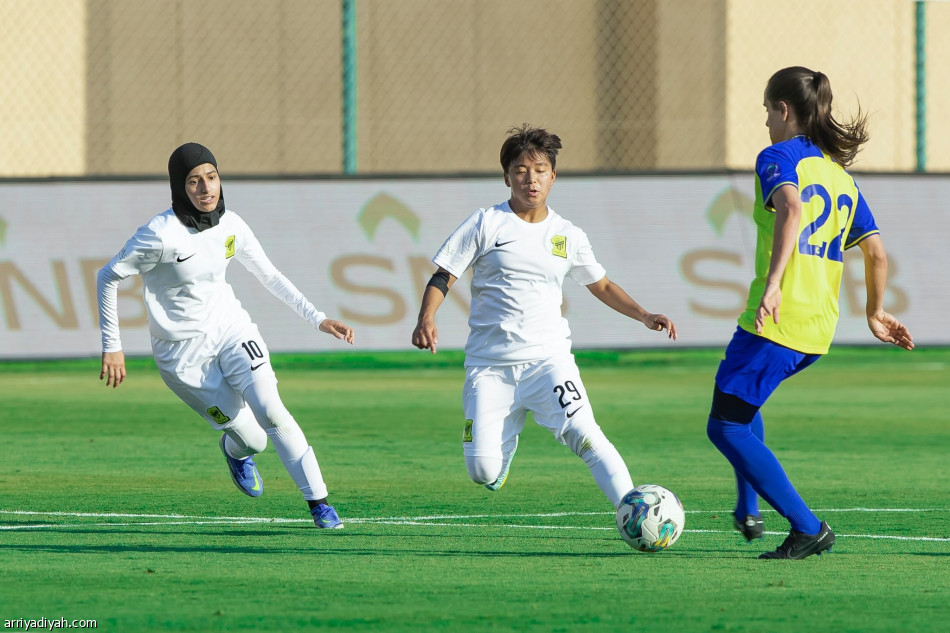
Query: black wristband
[(440, 280)]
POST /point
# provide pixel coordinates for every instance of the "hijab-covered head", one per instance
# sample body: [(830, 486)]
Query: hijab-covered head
[(180, 164)]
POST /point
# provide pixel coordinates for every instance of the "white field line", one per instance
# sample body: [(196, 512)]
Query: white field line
[(441, 517), (427, 521)]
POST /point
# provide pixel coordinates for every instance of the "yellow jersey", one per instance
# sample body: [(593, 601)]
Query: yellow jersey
[(835, 217)]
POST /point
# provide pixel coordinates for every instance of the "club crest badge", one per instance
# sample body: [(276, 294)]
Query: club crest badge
[(218, 415), (229, 247), (560, 246)]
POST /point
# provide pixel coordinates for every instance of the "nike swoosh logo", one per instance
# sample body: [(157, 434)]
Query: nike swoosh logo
[(181, 259), (500, 244), (257, 482), (253, 367), (570, 414)]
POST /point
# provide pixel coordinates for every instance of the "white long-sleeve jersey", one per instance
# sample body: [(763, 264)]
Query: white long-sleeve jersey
[(518, 274), (183, 270)]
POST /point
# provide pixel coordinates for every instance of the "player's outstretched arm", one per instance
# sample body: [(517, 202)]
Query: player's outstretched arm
[(339, 329), (113, 368), (613, 296), (884, 326)]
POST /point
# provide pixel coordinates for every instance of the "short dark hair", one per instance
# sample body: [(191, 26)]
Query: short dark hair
[(531, 140)]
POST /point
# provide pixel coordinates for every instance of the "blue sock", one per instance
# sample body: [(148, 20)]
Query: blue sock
[(747, 501), (758, 466)]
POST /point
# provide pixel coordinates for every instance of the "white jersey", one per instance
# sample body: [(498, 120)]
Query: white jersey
[(518, 272), (183, 270)]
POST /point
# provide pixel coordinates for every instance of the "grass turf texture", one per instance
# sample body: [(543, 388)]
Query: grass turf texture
[(864, 428)]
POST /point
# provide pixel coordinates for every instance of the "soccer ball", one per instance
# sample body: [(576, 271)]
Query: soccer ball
[(650, 518)]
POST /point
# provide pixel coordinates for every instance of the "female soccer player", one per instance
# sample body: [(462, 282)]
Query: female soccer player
[(518, 355), (808, 211), (206, 347)]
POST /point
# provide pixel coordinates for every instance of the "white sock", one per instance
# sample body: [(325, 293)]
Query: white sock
[(299, 460), (288, 439), (611, 475), (235, 450), (605, 463)]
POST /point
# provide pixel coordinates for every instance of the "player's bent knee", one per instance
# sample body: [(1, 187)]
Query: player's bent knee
[(258, 444), (483, 470), (586, 442), (264, 400), (723, 434), (277, 419), (249, 440), (273, 414)]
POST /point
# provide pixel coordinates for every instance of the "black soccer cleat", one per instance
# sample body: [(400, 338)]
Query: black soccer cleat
[(752, 528), (798, 546)]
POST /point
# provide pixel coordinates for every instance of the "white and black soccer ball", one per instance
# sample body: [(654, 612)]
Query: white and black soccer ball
[(650, 518)]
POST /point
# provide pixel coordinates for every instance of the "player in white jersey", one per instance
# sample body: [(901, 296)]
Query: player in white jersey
[(518, 354), (207, 348)]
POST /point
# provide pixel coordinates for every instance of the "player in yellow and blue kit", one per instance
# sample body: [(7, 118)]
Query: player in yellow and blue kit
[(808, 211)]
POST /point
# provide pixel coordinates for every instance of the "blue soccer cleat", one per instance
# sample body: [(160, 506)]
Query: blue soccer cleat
[(503, 476), (244, 473), (324, 516)]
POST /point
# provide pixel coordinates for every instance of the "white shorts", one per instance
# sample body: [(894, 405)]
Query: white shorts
[(496, 400), (210, 373)]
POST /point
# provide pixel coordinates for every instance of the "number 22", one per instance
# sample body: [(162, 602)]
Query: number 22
[(830, 249)]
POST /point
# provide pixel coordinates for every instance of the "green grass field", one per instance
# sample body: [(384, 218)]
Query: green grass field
[(117, 506)]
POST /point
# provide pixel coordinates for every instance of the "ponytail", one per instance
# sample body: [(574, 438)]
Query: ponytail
[(822, 96), (808, 94)]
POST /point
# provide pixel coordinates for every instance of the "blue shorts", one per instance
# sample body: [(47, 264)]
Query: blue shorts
[(754, 366)]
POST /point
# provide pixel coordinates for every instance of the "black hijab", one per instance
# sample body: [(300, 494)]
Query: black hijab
[(180, 164)]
